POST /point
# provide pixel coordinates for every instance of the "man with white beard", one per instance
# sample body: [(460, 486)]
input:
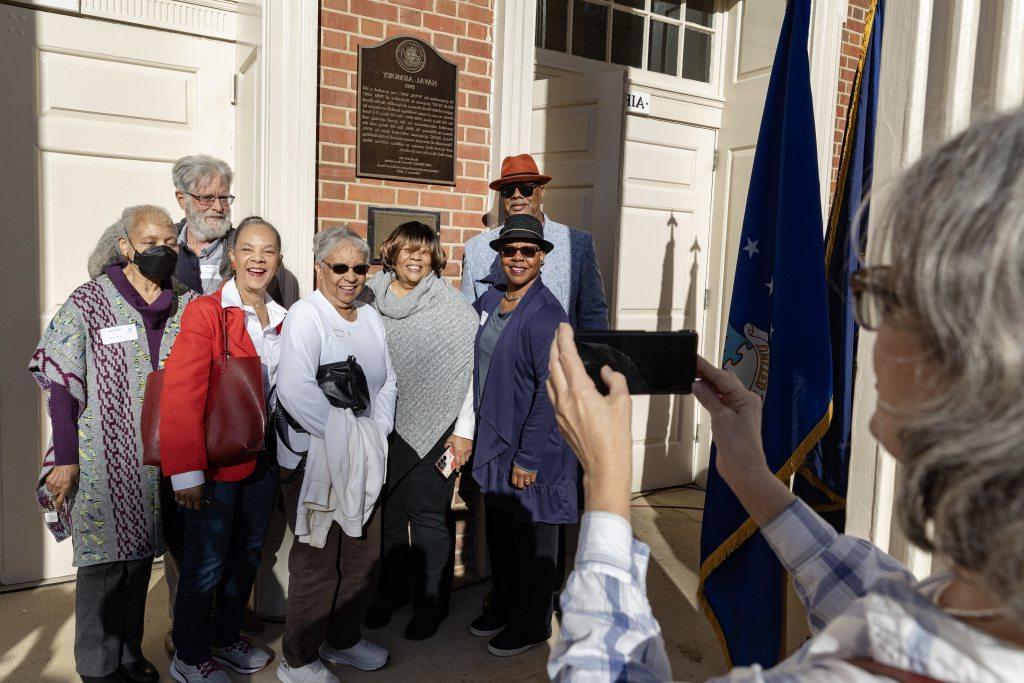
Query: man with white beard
[(203, 188)]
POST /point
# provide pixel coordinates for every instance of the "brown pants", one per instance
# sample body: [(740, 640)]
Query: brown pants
[(330, 589)]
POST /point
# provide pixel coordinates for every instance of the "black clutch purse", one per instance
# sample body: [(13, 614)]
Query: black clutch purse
[(344, 385)]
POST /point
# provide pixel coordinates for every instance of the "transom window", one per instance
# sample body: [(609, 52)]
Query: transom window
[(672, 37)]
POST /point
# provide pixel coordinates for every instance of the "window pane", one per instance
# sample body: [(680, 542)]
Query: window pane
[(552, 16), (589, 29), (664, 48), (635, 4), (628, 39), (700, 11), (667, 8), (697, 55)]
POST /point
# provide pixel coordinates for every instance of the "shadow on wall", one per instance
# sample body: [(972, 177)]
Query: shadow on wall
[(22, 541)]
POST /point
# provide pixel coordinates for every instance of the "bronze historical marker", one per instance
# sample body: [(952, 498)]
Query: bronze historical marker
[(406, 114)]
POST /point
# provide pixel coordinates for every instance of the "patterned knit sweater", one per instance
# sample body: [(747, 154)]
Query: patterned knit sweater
[(115, 511)]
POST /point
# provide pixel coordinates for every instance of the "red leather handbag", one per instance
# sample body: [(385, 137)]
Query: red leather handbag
[(236, 412)]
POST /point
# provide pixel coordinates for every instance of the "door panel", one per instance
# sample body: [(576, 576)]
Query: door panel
[(662, 272), (576, 138), (102, 110)]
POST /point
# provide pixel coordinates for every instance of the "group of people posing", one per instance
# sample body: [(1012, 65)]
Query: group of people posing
[(449, 377)]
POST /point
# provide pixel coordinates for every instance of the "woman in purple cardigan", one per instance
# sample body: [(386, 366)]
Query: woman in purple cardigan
[(525, 468)]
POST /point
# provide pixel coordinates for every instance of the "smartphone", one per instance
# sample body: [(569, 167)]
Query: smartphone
[(653, 362), (444, 464)]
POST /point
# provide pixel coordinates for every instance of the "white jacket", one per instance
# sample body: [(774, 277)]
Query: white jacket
[(344, 475)]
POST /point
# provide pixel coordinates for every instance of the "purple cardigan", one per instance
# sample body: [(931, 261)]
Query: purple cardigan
[(516, 422)]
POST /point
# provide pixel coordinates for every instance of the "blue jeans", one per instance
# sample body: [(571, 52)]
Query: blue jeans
[(222, 543)]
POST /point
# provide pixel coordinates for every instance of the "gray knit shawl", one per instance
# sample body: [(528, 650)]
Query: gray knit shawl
[(430, 333)]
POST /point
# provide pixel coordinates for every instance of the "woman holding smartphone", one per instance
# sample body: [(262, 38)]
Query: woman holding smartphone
[(430, 330), (525, 468)]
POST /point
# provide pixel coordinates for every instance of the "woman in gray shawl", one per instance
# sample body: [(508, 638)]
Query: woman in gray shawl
[(430, 332), (92, 363)]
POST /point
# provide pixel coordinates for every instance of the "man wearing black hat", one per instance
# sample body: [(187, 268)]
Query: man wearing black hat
[(570, 270)]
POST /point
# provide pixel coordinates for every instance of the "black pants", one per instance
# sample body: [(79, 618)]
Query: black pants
[(418, 504), (524, 559), (110, 612)]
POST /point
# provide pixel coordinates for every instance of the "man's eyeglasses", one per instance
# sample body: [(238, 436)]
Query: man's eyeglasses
[(527, 251), (873, 296), (525, 189), (207, 200), (342, 268)]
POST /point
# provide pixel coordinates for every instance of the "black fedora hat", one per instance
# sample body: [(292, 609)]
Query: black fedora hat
[(522, 227)]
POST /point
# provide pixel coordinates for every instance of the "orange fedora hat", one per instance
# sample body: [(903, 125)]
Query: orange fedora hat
[(519, 169)]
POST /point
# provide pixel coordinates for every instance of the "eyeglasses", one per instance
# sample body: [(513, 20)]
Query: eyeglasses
[(873, 296), (527, 251), (207, 200), (342, 268), (525, 189)]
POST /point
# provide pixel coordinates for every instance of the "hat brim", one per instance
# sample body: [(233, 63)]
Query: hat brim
[(520, 178), (545, 246)]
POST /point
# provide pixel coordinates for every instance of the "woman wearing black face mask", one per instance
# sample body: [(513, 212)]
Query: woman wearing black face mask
[(92, 364)]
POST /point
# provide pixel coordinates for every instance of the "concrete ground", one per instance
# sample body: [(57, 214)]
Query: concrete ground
[(37, 625)]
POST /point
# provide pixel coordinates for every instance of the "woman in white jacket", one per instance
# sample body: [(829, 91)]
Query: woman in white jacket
[(331, 587)]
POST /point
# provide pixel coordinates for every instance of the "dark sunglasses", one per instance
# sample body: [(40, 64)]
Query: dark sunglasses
[(525, 189), (873, 296), (528, 251), (342, 268)]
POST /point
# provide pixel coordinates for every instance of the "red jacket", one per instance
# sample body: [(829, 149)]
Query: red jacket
[(186, 382)]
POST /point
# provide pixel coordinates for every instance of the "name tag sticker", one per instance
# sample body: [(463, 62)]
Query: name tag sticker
[(209, 271), (483, 318), (50, 517), (121, 333)]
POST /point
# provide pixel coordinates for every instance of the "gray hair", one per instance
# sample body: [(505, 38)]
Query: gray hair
[(326, 241), (106, 252), (189, 172), (953, 233)]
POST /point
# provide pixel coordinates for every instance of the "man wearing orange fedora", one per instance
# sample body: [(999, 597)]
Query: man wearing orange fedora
[(570, 271)]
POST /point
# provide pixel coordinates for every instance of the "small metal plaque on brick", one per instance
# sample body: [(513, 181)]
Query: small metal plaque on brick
[(407, 111)]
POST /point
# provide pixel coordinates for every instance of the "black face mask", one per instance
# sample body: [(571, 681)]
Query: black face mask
[(156, 263)]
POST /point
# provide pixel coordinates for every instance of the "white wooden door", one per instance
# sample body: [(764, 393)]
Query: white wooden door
[(94, 114), (751, 33), (576, 138), (665, 224)]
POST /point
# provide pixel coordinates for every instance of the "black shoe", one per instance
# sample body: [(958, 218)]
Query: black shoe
[(141, 671), (506, 644), (421, 628), (486, 625), (109, 678), (378, 617)]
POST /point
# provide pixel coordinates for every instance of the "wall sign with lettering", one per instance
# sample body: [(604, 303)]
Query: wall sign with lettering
[(407, 112), (638, 102)]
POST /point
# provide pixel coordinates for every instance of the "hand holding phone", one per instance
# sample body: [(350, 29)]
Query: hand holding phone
[(446, 463)]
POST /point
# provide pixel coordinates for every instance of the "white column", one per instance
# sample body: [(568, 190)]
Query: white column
[(512, 96), (824, 51), (291, 45), (960, 79), (1010, 67), (898, 139)]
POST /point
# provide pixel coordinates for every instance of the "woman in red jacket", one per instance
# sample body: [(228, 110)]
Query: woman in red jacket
[(223, 511)]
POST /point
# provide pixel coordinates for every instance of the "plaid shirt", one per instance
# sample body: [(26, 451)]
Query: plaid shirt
[(860, 603)]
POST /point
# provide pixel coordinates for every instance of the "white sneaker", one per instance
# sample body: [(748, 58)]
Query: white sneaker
[(242, 656), (363, 655), (207, 672), (314, 672)]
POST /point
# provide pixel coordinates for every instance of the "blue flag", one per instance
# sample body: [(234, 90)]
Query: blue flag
[(777, 342), (822, 481)]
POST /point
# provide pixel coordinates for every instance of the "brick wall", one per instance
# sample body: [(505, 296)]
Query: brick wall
[(853, 32), (462, 31)]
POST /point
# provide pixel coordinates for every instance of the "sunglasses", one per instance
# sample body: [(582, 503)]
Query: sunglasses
[(525, 189), (342, 268), (873, 296), (527, 251)]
